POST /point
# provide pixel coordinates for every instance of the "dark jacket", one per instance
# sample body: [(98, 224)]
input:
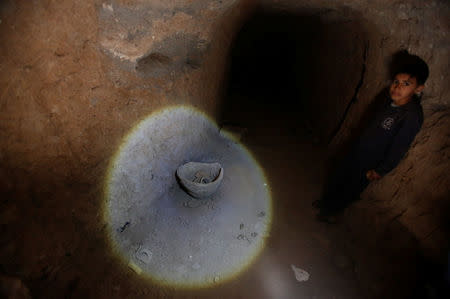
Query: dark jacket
[(388, 137)]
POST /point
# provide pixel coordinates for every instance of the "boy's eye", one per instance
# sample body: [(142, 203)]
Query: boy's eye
[(403, 83)]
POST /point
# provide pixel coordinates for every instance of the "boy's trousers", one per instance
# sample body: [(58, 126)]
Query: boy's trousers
[(347, 181)]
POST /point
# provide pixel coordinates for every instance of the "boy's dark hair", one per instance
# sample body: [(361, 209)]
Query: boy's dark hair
[(412, 65)]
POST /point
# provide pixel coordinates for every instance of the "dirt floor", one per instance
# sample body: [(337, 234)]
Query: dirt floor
[(54, 238)]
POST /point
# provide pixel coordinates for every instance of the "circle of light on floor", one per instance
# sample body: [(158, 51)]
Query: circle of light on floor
[(164, 233)]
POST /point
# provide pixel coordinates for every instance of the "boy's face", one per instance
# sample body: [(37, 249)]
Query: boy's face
[(403, 87)]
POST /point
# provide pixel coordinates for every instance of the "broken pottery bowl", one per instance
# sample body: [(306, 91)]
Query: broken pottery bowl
[(200, 180)]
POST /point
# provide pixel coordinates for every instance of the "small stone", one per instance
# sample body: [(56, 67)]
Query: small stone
[(135, 268), (196, 266), (108, 7), (216, 279), (300, 274), (144, 255)]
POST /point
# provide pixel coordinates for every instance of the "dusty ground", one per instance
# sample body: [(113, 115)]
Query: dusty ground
[(58, 247)]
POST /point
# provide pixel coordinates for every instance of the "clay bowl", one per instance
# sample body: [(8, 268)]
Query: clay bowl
[(198, 179)]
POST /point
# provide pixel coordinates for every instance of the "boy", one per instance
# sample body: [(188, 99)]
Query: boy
[(384, 142)]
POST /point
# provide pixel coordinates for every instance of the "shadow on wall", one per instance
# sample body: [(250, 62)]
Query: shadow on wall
[(301, 67)]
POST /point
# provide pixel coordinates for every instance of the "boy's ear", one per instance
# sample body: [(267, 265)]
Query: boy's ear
[(419, 88)]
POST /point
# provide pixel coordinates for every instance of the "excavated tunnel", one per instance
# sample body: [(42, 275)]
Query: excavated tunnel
[(101, 102)]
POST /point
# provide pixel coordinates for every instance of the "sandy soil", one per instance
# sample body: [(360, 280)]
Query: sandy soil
[(56, 241)]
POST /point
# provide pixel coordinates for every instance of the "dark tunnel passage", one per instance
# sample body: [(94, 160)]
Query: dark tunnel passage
[(299, 70), (291, 79)]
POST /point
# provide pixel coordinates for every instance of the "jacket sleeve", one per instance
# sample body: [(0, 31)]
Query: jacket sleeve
[(402, 140)]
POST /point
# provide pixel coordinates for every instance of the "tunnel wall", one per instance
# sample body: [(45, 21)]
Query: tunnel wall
[(70, 90), (67, 102), (415, 194), (76, 76)]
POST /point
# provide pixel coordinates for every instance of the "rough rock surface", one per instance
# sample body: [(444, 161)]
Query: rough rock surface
[(416, 193)]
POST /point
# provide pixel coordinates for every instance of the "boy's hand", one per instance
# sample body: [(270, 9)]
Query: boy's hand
[(372, 175)]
